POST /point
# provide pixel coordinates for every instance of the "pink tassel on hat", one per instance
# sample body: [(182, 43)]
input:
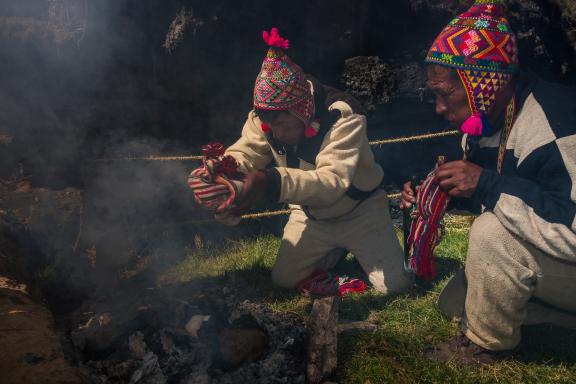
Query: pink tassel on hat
[(472, 125), (274, 39), (312, 129)]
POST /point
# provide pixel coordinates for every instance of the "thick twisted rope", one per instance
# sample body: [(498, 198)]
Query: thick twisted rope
[(261, 215), (395, 140), (408, 139)]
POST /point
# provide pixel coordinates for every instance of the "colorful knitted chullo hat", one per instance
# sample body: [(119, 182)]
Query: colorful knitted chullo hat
[(480, 45), (281, 84)]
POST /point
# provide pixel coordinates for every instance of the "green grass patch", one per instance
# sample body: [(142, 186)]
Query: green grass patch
[(407, 323)]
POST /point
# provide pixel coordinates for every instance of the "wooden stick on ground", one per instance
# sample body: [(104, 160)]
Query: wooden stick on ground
[(322, 346)]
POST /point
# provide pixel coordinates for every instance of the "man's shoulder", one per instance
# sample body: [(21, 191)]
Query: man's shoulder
[(558, 103)]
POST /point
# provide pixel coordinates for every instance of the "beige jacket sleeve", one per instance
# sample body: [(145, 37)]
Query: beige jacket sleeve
[(336, 165), (252, 150)]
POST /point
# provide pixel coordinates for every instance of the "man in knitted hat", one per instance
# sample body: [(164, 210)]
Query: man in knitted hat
[(520, 172), (325, 170)]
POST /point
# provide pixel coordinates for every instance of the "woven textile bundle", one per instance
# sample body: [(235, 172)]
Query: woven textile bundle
[(427, 227), (217, 184)]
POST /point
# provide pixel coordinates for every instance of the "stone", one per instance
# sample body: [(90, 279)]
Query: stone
[(137, 345), (240, 346), (195, 323)]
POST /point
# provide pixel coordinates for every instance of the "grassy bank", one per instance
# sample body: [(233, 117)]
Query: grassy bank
[(406, 323)]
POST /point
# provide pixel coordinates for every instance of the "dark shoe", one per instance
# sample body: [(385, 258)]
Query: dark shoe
[(461, 349)]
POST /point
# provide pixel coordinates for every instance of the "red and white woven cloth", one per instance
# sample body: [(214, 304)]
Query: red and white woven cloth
[(218, 183)]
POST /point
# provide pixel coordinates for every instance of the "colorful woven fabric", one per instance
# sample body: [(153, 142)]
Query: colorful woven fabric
[(478, 39), (427, 227), (482, 88), (217, 184), (347, 286), (281, 84), (323, 284), (480, 45)]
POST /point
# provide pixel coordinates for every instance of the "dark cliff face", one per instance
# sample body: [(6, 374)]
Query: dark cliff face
[(82, 78)]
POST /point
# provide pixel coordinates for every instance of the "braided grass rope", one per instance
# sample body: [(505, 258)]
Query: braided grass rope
[(395, 140)]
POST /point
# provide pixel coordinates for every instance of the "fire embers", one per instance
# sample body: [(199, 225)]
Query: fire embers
[(207, 338)]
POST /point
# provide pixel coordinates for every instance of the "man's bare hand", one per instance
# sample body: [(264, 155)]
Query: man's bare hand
[(408, 196), (458, 178), (253, 191)]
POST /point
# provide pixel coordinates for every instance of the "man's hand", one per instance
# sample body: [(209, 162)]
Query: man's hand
[(458, 178), (253, 191), (408, 196)]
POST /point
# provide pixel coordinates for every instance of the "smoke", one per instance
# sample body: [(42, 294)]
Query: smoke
[(89, 79), (83, 80)]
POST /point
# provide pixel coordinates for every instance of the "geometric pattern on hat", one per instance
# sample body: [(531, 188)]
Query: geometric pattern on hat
[(482, 87), (281, 84), (478, 39)]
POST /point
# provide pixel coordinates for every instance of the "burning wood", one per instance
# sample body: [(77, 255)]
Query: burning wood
[(323, 343)]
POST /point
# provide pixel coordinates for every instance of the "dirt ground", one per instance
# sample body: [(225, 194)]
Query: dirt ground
[(30, 347)]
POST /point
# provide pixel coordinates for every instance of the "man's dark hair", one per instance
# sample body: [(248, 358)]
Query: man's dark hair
[(267, 115)]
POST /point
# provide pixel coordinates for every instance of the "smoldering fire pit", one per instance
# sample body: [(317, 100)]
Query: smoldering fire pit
[(206, 339)]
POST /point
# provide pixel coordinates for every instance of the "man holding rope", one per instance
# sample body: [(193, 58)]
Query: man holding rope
[(325, 170), (520, 143)]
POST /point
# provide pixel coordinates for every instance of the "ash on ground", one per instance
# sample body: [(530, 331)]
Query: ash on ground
[(208, 338)]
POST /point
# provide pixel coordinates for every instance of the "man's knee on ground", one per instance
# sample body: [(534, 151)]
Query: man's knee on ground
[(389, 285), (491, 250), (283, 279), (486, 234)]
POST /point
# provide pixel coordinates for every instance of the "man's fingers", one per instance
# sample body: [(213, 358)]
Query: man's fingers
[(408, 188), (244, 205), (408, 197), (443, 174), (455, 192), (447, 184), (405, 204), (452, 165), (240, 209)]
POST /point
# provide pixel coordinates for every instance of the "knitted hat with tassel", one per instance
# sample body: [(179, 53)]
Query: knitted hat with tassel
[(480, 45), (281, 84)]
